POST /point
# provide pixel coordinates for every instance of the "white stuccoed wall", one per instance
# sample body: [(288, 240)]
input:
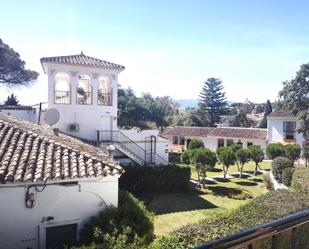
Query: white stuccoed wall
[(20, 226), (90, 118), (139, 138), (28, 115), (275, 132)]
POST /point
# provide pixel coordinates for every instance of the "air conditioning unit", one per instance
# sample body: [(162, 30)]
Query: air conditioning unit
[(73, 127)]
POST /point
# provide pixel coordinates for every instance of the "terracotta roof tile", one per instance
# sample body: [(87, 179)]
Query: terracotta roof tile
[(81, 59), (282, 114), (237, 132), (189, 131), (232, 132), (31, 153)]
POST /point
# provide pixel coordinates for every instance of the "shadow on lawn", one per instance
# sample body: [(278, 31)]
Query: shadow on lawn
[(221, 179), (247, 183), (179, 202), (215, 170), (244, 176), (252, 172), (234, 193)]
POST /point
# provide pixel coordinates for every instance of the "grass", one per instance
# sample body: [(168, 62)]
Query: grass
[(178, 209)]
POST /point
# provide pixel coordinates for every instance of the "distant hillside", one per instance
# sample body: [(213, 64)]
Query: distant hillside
[(186, 103)]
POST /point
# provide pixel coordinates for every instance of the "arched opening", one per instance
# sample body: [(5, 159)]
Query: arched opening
[(84, 90), (105, 92), (62, 91)]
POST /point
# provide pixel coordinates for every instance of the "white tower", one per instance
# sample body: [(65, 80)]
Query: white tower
[(84, 91)]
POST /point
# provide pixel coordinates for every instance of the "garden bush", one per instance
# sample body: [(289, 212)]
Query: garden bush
[(196, 143), (130, 219), (267, 182), (186, 157), (141, 180), (287, 175), (300, 180), (275, 150), (174, 157), (245, 217), (292, 151), (278, 165)]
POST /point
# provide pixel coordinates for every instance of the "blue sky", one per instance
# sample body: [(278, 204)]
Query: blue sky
[(168, 47)]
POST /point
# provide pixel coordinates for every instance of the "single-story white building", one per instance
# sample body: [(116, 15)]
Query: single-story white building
[(50, 185), (281, 128), (180, 136)]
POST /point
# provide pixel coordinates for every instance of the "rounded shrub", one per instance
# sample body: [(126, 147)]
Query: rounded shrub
[(275, 150), (278, 165), (292, 151), (130, 213), (196, 143), (185, 157), (287, 175)]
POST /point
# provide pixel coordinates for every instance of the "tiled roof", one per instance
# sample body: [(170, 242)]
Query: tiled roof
[(15, 107), (237, 132), (31, 153), (282, 114), (188, 131), (232, 132), (81, 59)]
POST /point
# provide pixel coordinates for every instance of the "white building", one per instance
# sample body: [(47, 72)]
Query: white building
[(49, 185), (180, 137), (84, 91), (282, 128)]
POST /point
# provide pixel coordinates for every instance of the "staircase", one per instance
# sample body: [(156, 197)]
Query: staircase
[(129, 154)]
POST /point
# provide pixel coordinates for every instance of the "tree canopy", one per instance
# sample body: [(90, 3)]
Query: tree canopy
[(295, 97), (11, 100), (12, 68), (212, 100)]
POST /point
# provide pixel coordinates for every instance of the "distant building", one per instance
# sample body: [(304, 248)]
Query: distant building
[(281, 128), (84, 91), (49, 185)]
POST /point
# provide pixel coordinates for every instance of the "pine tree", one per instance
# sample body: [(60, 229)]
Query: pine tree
[(212, 100), (268, 110), (11, 100)]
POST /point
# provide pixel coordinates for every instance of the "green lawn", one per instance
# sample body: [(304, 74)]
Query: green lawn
[(177, 209)]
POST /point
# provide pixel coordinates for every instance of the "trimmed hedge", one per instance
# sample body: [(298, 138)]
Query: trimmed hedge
[(276, 203), (300, 180), (155, 179), (278, 165), (130, 219), (275, 150), (174, 157), (287, 175)]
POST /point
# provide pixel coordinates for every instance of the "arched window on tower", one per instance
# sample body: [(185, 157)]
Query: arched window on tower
[(62, 89), (105, 92), (84, 90)]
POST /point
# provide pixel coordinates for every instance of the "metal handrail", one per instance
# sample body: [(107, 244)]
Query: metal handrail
[(273, 228)]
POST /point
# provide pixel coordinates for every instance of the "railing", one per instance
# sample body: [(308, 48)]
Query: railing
[(62, 97), (105, 99), (268, 235), (84, 99), (118, 137)]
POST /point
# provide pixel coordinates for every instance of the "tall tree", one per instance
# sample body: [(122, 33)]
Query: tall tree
[(12, 68), (241, 120), (212, 100), (267, 111), (11, 100), (295, 97)]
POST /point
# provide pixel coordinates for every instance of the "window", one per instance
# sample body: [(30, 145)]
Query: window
[(84, 90), (58, 236), (229, 142), (289, 129), (182, 141), (105, 92), (220, 142), (175, 140), (62, 90)]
